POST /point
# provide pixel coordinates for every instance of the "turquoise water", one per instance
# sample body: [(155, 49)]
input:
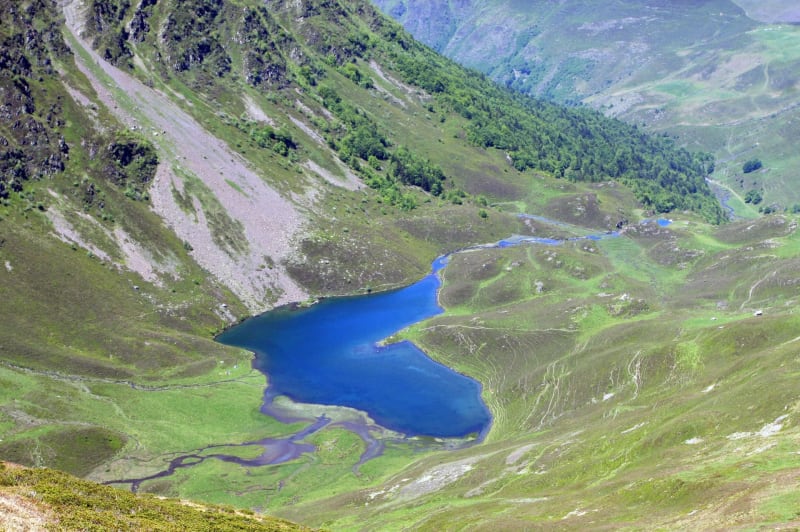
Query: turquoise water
[(329, 354)]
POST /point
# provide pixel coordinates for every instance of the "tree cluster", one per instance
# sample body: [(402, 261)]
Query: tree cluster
[(753, 196), (133, 163), (278, 141), (361, 139)]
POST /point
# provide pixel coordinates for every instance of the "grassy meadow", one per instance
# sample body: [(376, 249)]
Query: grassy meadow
[(736, 99)]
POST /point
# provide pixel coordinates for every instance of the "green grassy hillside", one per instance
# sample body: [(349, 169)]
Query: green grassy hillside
[(165, 175)]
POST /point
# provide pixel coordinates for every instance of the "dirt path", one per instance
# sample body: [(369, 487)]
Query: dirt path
[(269, 222), (753, 288)]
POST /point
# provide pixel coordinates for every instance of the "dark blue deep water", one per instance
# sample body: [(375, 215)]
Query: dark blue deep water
[(328, 354)]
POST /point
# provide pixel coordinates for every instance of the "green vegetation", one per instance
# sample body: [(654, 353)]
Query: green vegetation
[(575, 344), (31, 130), (56, 499), (136, 162), (279, 141), (41, 130), (728, 96), (106, 26), (361, 140), (577, 144), (753, 196)]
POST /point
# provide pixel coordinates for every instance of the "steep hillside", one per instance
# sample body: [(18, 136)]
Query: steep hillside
[(173, 167), (711, 72), (579, 145), (568, 51), (202, 182)]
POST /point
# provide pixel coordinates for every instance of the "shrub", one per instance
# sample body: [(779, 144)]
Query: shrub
[(751, 166), (753, 196)]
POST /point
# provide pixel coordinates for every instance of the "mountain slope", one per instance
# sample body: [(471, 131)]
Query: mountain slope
[(239, 190), (537, 136), (644, 382), (708, 72), (568, 51)]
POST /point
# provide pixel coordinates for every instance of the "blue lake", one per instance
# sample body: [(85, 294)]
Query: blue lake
[(329, 354)]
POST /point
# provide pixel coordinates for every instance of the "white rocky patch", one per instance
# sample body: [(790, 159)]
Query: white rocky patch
[(135, 256), (255, 112), (305, 128), (141, 260), (66, 232), (762, 448), (437, 477), (770, 429), (514, 456), (575, 513), (392, 81), (635, 427)]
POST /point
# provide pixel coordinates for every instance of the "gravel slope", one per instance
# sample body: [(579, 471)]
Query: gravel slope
[(269, 222)]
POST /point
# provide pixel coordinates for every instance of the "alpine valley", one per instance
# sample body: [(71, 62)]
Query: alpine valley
[(169, 169)]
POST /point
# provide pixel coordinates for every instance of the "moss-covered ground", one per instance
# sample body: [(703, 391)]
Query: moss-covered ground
[(53, 499)]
